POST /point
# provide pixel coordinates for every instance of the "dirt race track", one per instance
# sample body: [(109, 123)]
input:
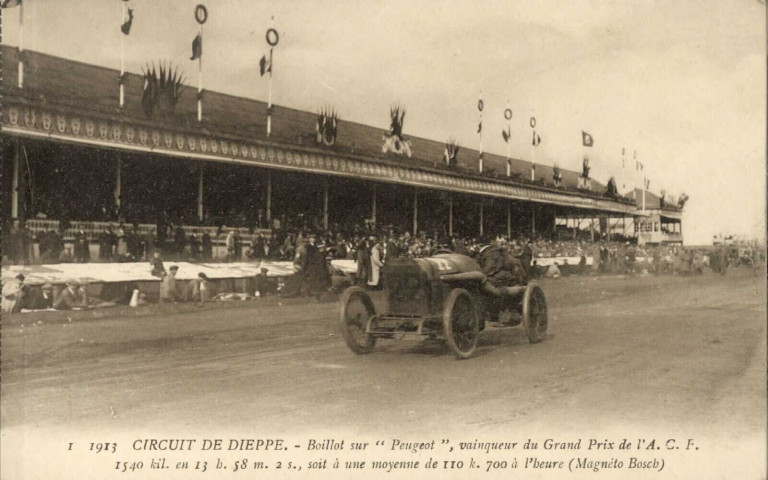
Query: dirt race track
[(668, 357)]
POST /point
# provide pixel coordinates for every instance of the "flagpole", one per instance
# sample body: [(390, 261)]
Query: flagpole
[(200, 80), (269, 96), (509, 132), (480, 164), (122, 54), (21, 45)]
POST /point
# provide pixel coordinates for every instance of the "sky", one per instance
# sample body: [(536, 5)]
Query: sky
[(681, 83)]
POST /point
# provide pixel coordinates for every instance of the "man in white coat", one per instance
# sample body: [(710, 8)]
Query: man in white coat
[(377, 261)]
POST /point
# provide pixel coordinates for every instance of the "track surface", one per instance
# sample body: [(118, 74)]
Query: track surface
[(680, 356)]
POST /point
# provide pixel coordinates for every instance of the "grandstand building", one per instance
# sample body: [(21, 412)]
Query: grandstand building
[(73, 154)]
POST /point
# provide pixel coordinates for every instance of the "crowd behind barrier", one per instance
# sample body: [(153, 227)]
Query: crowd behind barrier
[(44, 242)]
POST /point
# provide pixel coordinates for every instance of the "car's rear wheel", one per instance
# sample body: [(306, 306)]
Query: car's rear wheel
[(460, 323), (356, 308)]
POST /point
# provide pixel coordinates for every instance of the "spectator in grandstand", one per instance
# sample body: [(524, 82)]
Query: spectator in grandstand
[(107, 241), (194, 247), (238, 246), (258, 245), (158, 270), (230, 243), (180, 241), (391, 247), (82, 247), (207, 245), (121, 240)]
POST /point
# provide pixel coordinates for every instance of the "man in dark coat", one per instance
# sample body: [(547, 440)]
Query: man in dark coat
[(71, 297), (314, 269), (207, 246), (194, 246), (363, 261), (493, 260), (392, 249), (265, 285), (82, 248), (180, 241), (105, 245), (40, 299), (526, 258)]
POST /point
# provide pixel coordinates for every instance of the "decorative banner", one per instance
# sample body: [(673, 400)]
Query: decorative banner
[(395, 141), (326, 127), (451, 153)]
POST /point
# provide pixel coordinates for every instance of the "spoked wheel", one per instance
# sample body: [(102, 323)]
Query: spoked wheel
[(355, 309), (535, 317), (460, 323)]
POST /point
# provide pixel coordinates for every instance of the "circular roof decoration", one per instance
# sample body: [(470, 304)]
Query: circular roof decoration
[(272, 37), (480, 105), (533, 122), (201, 14), (508, 114)]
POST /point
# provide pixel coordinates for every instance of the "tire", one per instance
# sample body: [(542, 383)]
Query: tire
[(460, 323), (535, 316), (355, 308)]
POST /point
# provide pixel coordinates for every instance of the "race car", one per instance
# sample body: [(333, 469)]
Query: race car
[(445, 297)]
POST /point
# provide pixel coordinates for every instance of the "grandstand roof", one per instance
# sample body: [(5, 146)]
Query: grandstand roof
[(652, 201), (83, 88)]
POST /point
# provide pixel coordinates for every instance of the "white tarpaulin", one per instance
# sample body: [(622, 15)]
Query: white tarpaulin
[(131, 272)]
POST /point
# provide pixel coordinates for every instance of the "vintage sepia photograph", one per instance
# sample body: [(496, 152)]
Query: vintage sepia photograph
[(383, 239)]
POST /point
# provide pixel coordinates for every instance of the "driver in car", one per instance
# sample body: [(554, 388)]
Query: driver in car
[(499, 265)]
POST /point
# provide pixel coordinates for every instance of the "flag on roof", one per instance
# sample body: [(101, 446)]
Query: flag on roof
[(126, 26), (197, 47), (505, 134), (9, 3), (586, 139), (536, 139), (265, 65)]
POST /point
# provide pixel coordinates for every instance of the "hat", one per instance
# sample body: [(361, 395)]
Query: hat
[(20, 277), (73, 283), (264, 269), (202, 275), (47, 286), (312, 235), (174, 267)]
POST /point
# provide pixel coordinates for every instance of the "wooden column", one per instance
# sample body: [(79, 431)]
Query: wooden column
[(415, 211), (200, 204), (269, 196), (373, 206), (325, 203), (15, 181), (481, 217)]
